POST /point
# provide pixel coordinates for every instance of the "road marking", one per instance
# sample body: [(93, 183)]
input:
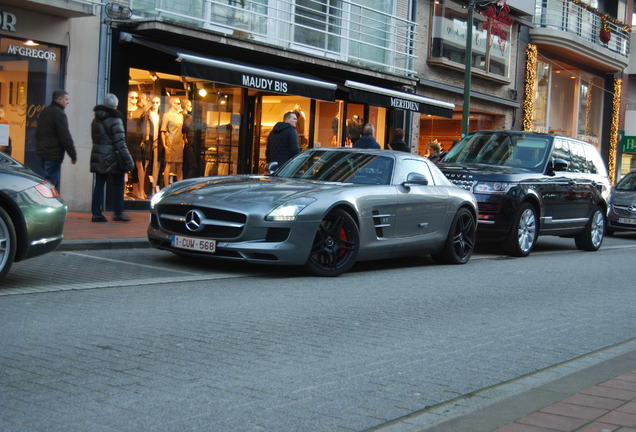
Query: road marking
[(129, 263)]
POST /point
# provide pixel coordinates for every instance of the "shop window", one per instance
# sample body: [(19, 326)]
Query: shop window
[(327, 129), (273, 111), (179, 128), (541, 97), (354, 123), (489, 53), (377, 118), (29, 72)]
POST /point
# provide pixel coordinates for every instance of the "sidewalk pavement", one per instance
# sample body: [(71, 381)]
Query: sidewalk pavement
[(81, 233), (601, 399)]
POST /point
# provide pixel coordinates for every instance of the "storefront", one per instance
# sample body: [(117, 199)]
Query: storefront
[(568, 101), (234, 106), (29, 72)]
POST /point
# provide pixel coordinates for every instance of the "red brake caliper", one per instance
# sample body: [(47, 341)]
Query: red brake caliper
[(343, 238)]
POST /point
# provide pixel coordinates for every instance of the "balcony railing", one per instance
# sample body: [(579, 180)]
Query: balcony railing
[(574, 19), (336, 29)]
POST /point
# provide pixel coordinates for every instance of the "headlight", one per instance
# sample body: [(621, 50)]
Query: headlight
[(156, 198), (492, 187), (289, 210)]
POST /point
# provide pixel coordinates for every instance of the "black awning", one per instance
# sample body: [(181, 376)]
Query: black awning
[(242, 75), (255, 78), (365, 93)]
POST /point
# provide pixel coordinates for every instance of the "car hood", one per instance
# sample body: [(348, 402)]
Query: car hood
[(626, 198), (485, 172), (253, 190)]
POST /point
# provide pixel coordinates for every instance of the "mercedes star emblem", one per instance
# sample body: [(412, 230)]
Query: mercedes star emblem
[(194, 220)]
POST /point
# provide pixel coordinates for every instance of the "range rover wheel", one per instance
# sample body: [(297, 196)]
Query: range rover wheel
[(335, 245), (7, 243), (591, 237), (460, 243), (523, 234)]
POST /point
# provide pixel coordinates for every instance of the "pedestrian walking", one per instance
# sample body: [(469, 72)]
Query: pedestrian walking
[(53, 138), (282, 142), (397, 143), (110, 158), (367, 141)]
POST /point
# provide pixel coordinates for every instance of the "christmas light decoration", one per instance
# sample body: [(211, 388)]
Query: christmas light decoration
[(529, 89), (616, 104)]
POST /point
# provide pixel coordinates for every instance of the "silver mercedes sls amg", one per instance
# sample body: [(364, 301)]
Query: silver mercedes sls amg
[(325, 209)]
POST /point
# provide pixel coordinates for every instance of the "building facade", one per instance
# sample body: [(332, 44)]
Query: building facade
[(337, 64), (44, 46), (575, 69), (499, 39)]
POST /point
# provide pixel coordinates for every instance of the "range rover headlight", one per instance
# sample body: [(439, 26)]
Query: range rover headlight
[(289, 211), (492, 187)]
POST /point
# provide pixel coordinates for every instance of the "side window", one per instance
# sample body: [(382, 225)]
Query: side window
[(579, 161), (561, 151), (408, 166), (594, 161)]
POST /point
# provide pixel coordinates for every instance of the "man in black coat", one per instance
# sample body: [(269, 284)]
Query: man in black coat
[(282, 142), (53, 137), (110, 158), (367, 141)]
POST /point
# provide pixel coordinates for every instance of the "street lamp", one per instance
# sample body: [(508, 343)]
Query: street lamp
[(468, 61)]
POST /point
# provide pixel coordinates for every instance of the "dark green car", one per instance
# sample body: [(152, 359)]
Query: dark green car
[(31, 214)]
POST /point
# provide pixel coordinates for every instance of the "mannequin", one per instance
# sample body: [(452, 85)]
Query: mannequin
[(191, 148), (134, 139), (172, 138), (152, 122), (300, 127)]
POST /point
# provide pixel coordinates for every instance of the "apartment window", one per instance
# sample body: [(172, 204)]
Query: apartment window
[(490, 53), (318, 23)]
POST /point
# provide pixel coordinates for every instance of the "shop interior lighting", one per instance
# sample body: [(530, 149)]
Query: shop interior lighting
[(203, 92), (31, 43)]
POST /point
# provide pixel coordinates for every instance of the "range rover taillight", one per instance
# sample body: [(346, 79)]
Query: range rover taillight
[(47, 190)]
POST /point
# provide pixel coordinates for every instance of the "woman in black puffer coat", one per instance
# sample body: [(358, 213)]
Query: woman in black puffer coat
[(110, 158)]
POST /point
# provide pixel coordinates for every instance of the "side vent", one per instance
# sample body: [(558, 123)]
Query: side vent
[(380, 221)]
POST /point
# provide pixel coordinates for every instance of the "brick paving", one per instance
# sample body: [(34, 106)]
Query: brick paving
[(607, 407), (78, 226)]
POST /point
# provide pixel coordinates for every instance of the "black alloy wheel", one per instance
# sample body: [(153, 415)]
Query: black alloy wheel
[(8, 243), (335, 245), (460, 243)]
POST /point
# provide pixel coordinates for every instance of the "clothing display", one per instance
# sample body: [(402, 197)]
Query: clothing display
[(172, 128)]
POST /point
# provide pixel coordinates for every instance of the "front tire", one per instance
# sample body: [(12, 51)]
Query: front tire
[(524, 232), (460, 243), (335, 245), (8, 243), (591, 238)]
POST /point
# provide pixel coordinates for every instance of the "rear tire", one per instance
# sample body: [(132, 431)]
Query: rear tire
[(8, 243), (591, 238), (524, 232), (460, 242), (335, 245)]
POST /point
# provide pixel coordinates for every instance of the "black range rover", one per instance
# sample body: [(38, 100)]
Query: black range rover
[(531, 184)]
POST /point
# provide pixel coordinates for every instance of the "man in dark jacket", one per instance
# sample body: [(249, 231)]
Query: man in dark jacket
[(53, 137), (398, 143), (110, 158), (367, 141), (282, 142)]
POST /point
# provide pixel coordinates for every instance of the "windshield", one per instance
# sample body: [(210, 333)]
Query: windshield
[(627, 183), (339, 166), (493, 148)]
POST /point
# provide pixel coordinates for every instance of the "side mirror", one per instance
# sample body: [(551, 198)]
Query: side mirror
[(272, 167), (557, 165), (415, 179)]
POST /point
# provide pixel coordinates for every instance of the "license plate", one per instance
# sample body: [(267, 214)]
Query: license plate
[(628, 221), (195, 244)]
